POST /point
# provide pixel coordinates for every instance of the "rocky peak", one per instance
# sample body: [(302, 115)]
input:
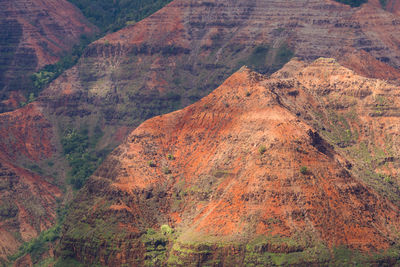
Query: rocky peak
[(245, 163)]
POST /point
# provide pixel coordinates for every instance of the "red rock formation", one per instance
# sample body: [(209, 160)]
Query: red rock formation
[(393, 6), (26, 133), (27, 200), (35, 33), (248, 162), (27, 203), (187, 48)]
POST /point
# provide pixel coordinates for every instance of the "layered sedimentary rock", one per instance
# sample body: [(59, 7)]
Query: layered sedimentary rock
[(181, 53), (392, 6), (264, 170), (185, 50), (27, 206), (27, 195), (34, 33)]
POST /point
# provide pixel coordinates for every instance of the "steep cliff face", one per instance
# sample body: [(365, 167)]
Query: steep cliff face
[(280, 170), (179, 55), (392, 6), (27, 194), (182, 52), (26, 133), (34, 33), (27, 206)]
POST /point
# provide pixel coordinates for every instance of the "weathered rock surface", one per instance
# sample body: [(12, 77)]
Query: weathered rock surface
[(34, 33), (183, 52), (297, 160), (27, 206), (27, 199), (26, 133)]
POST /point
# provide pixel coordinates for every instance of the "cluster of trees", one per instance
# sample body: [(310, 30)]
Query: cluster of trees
[(352, 3), (80, 153), (111, 16), (50, 72)]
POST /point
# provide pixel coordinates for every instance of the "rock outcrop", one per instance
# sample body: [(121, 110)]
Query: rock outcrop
[(265, 170), (34, 33), (27, 195), (184, 51)]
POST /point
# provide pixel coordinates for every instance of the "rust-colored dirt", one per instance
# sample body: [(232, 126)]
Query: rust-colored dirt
[(27, 200), (34, 203), (49, 26), (25, 132), (36, 33), (249, 160)]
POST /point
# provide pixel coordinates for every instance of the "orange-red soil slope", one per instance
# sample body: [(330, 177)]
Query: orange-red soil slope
[(182, 52), (293, 165), (27, 199), (34, 33)]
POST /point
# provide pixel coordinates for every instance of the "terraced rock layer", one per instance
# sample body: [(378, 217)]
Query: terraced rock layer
[(184, 51), (34, 33), (287, 169), (27, 198)]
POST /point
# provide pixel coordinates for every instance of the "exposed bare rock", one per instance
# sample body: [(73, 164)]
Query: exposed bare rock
[(257, 159), (34, 33)]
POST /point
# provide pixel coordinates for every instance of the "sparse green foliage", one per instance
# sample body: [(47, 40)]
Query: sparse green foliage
[(35, 168), (81, 158), (151, 163), (166, 230), (352, 3), (111, 16), (166, 170), (156, 243), (42, 78), (8, 210), (39, 245), (387, 179), (304, 170), (31, 98), (221, 173), (262, 149), (267, 59), (170, 157), (68, 262)]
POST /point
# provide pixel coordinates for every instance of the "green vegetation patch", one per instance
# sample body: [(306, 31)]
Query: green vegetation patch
[(267, 59), (304, 170), (79, 151), (41, 244), (38, 246), (8, 210), (111, 16), (156, 244), (42, 78), (352, 3), (367, 157), (275, 251), (340, 133), (262, 149)]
